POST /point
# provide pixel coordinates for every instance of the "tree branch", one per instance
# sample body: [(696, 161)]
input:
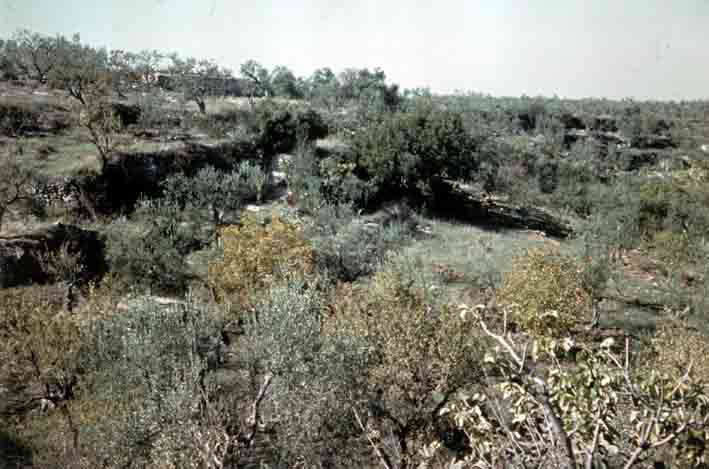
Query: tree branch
[(256, 408), (383, 458)]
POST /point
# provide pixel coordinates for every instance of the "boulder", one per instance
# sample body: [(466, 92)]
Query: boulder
[(572, 121), (462, 202), (654, 142), (635, 159), (705, 148), (604, 123), (19, 255)]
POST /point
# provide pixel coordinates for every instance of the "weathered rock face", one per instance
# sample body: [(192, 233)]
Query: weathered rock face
[(130, 176), (462, 203), (19, 255), (654, 142)]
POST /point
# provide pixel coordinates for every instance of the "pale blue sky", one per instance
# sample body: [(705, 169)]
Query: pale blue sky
[(573, 48)]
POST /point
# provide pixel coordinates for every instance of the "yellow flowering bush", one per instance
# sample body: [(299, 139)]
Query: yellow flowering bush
[(256, 255), (545, 292)]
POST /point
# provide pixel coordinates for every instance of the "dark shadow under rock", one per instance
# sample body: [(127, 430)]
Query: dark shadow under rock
[(20, 255)]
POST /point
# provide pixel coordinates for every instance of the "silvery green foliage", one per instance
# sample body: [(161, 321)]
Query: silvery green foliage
[(150, 250), (283, 334), (250, 179), (358, 249), (617, 225), (211, 191), (212, 188), (183, 220), (313, 373), (147, 365)]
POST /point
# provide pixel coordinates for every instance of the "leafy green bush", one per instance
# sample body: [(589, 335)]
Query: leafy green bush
[(278, 128), (318, 181), (310, 125), (14, 119), (149, 251), (399, 151), (212, 190)]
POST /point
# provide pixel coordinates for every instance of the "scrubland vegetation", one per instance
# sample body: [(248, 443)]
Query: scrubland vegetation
[(201, 270)]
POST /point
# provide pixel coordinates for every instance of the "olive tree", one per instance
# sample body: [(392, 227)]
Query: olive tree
[(258, 79), (198, 79), (36, 54), (89, 76), (285, 84), (16, 182), (210, 193), (8, 59), (146, 64)]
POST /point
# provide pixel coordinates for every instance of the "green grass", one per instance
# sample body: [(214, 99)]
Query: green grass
[(460, 259), (69, 154)]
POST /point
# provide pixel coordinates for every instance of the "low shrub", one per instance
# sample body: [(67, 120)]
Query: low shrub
[(149, 251), (679, 353), (15, 119), (256, 255), (358, 249), (146, 380), (675, 346), (545, 292), (413, 357)]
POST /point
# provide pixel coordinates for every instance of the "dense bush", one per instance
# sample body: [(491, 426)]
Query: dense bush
[(278, 128), (416, 358), (145, 381), (151, 248), (545, 293), (319, 180), (16, 119), (149, 251), (397, 152), (256, 255), (210, 191), (358, 249)]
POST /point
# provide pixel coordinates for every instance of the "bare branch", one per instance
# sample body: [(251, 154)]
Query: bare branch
[(256, 408), (594, 443), (383, 458)]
